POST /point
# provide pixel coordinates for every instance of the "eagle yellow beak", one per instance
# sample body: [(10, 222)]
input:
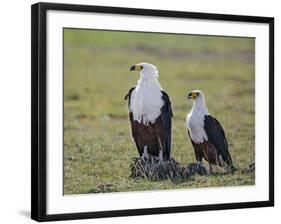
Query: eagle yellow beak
[(192, 95), (136, 68)]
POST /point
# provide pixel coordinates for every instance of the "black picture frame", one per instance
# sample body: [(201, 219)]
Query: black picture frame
[(39, 122)]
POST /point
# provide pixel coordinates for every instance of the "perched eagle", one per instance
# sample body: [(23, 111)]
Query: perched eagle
[(206, 134), (150, 114)]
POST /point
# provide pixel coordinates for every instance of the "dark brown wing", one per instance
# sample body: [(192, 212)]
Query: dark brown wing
[(217, 137), (135, 133), (166, 123)]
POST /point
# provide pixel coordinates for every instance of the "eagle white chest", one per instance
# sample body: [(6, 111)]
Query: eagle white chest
[(146, 103), (195, 125)]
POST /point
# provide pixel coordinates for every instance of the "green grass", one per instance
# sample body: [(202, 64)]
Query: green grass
[(98, 148)]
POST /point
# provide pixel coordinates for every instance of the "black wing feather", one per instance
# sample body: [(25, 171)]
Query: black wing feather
[(166, 119), (217, 137), (128, 95)]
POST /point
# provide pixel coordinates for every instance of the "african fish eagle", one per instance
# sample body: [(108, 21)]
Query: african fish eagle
[(150, 114), (206, 134)]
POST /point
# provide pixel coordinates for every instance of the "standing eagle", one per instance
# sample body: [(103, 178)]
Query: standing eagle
[(206, 134), (150, 114)]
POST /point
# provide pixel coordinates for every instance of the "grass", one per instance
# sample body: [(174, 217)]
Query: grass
[(98, 148)]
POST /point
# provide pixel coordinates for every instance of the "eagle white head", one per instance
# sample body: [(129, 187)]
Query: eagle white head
[(148, 72), (197, 96)]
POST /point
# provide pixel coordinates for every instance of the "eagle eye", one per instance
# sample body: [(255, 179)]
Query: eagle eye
[(197, 94)]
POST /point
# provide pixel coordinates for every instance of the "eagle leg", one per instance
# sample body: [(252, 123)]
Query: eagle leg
[(145, 154), (160, 149), (210, 169)]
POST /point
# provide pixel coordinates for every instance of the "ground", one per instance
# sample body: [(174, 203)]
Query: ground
[(98, 147)]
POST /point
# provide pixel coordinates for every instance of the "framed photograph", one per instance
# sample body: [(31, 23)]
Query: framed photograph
[(140, 111)]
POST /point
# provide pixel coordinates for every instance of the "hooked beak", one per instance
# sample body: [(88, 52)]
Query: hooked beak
[(136, 68), (133, 68), (191, 95)]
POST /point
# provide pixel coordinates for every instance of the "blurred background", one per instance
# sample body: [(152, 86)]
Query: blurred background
[(98, 148)]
